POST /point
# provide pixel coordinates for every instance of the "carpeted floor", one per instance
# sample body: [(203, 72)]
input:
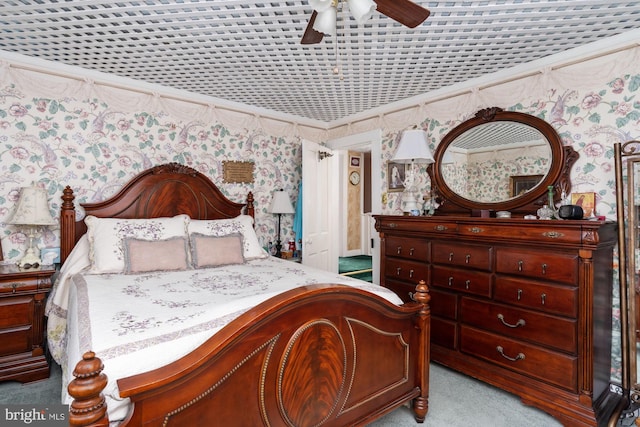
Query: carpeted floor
[(455, 401), (356, 266)]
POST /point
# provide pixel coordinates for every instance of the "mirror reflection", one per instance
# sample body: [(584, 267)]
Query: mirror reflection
[(496, 161)]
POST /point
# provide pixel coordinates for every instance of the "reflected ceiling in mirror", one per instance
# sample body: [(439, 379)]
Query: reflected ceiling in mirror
[(496, 161)]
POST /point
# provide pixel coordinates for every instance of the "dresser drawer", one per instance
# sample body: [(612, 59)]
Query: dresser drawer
[(468, 281), (468, 256), (444, 333), (538, 328), (557, 267), (407, 248), (443, 304), (408, 271), (403, 289), (557, 299), (545, 365)]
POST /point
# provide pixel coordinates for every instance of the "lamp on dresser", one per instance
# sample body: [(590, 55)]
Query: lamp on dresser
[(280, 204), (413, 148), (32, 212)]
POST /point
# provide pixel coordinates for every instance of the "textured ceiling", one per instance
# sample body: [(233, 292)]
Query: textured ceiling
[(248, 52)]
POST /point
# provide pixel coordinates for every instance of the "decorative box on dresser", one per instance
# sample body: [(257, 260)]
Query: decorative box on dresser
[(23, 294), (524, 305)]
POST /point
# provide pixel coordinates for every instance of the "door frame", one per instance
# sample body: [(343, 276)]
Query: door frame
[(373, 140)]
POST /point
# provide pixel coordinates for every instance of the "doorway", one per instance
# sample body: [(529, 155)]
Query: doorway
[(370, 143)]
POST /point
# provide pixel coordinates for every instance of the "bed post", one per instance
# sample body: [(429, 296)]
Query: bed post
[(88, 407), (67, 224), (423, 320), (249, 208)]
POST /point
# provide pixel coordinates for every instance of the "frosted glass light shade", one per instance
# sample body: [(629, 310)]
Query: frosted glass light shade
[(326, 21), (362, 10), (320, 5)]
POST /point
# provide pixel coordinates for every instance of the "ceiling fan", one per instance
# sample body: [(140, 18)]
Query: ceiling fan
[(323, 19)]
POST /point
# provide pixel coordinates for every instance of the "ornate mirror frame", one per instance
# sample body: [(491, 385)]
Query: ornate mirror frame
[(558, 175)]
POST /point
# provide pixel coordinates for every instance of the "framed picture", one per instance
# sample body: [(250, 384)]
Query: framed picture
[(520, 184), (585, 200), (354, 161), (396, 173)]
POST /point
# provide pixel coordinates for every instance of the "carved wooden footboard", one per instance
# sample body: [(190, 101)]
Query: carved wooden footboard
[(320, 355)]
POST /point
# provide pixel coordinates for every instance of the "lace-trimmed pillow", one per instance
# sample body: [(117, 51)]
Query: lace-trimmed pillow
[(242, 224), (106, 237), (216, 251), (142, 256)]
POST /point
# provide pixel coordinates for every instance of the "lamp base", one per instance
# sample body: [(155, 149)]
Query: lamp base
[(409, 202), (30, 259)]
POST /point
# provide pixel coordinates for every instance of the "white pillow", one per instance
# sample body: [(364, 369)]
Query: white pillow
[(106, 237), (242, 224)]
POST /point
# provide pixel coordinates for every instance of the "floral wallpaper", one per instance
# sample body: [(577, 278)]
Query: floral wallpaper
[(95, 149), (93, 146)]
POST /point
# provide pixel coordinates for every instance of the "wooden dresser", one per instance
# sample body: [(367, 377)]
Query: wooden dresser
[(23, 294), (524, 305)]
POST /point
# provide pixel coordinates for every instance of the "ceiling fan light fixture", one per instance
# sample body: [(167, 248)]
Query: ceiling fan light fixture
[(362, 10), (326, 21), (322, 5)]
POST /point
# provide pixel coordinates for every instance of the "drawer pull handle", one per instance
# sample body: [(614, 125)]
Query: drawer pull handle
[(519, 323), (520, 264), (450, 280), (520, 356), (440, 228), (544, 268), (393, 225), (467, 258), (14, 286), (411, 251), (450, 256), (466, 284), (519, 294), (398, 271), (399, 250), (410, 274), (543, 298), (476, 230), (553, 234)]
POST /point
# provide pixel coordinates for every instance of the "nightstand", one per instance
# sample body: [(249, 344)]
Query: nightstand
[(23, 294)]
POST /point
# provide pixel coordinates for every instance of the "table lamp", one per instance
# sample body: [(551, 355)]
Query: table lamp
[(280, 204), (32, 211), (413, 148)]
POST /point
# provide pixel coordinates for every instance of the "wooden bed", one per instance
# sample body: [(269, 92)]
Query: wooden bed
[(317, 355)]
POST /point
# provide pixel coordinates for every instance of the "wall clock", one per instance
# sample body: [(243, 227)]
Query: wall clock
[(354, 178)]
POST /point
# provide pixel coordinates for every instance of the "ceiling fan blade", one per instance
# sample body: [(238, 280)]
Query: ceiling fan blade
[(310, 35), (404, 11)]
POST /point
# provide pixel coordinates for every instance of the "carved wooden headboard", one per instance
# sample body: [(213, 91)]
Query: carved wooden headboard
[(162, 191)]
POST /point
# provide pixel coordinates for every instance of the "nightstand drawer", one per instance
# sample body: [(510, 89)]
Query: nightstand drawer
[(15, 340), (15, 311)]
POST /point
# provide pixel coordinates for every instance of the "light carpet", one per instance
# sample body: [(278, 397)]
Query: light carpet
[(455, 400)]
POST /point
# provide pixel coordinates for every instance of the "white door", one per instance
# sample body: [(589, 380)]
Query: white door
[(319, 212)]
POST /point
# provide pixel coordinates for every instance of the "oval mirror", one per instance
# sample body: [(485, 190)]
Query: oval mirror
[(500, 160)]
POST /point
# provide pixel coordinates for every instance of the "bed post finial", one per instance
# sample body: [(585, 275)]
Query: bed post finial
[(88, 407), (249, 209), (67, 223), (423, 320)]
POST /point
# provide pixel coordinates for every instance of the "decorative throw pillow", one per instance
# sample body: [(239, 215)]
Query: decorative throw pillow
[(106, 237), (216, 251), (242, 224), (142, 256)]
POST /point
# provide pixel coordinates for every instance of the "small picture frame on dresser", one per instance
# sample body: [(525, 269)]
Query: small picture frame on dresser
[(396, 173)]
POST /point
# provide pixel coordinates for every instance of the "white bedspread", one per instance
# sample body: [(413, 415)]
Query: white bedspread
[(159, 317)]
